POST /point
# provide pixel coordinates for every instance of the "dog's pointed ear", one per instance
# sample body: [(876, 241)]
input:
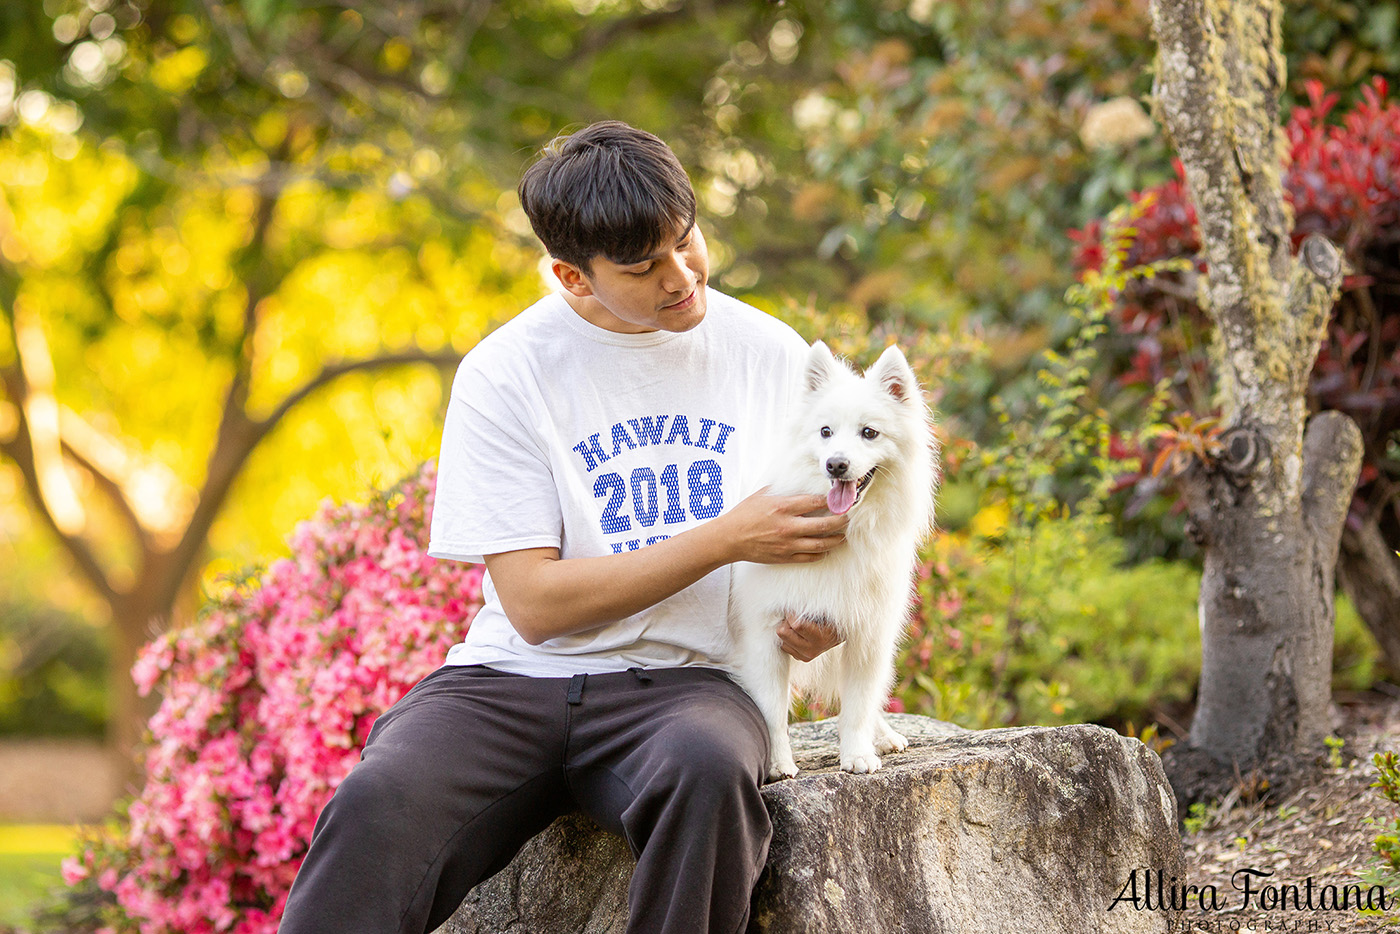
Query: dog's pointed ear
[(822, 365), (894, 375)]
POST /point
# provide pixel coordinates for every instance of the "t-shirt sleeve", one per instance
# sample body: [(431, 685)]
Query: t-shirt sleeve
[(495, 490)]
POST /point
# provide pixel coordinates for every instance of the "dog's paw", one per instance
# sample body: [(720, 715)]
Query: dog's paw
[(890, 741), (781, 770), (861, 765)]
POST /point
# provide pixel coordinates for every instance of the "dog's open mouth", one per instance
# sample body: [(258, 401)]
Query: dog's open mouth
[(846, 493)]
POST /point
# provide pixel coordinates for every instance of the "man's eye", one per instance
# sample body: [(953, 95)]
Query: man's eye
[(826, 432), (869, 434), (640, 272)]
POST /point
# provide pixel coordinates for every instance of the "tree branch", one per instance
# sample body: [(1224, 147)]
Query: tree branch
[(1312, 291), (18, 450), (33, 390), (1369, 573), (596, 40), (1332, 450), (1257, 69), (1216, 75), (236, 445), (334, 371), (18, 443), (235, 415), (118, 471)]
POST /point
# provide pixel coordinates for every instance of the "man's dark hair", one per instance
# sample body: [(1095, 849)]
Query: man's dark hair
[(608, 189)]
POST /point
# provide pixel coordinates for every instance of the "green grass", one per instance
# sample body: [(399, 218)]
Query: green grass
[(29, 867)]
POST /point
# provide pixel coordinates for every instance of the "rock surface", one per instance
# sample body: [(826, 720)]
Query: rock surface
[(1030, 829)]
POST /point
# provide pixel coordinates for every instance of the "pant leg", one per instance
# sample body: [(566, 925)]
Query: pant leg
[(673, 760), (454, 779)]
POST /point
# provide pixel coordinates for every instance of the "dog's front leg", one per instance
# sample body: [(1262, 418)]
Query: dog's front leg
[(764, 671)]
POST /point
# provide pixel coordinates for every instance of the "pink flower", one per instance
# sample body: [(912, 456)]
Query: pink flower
[(267, 699), (73, 871)]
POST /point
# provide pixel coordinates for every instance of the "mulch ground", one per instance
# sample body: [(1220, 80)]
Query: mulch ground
[(1318, 832)]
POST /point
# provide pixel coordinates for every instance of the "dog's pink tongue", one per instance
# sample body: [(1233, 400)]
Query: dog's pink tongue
[(841, 496)]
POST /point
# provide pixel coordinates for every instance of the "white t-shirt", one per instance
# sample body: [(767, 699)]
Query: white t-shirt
[(562, 434)]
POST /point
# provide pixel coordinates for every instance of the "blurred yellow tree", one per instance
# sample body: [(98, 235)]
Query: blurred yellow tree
[(160, 331)]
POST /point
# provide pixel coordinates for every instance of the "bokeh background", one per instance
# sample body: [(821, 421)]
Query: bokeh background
[(242, 245)]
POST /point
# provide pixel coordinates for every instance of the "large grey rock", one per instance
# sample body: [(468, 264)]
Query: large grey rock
[(1031, 829)]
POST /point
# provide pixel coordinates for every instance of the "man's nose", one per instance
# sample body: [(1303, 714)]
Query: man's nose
[(678, 277)]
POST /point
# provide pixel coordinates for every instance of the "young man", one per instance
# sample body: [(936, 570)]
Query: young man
[(592, 457)]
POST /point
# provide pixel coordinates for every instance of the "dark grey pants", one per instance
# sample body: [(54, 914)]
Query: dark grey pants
[(472, 763)]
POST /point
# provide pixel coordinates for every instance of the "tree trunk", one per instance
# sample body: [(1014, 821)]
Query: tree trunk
[(1266, 602), (130, 629), (1268, 505), (1369, 573), (139, 615)]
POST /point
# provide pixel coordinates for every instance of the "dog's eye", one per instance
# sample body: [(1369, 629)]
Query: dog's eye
[(869, 434), (826, 431)]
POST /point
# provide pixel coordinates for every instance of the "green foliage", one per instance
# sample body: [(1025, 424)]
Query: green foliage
[(1197, 816), (1032, 615), (52, 667), (1050, 630), (1342, 43), (1356, 657), (1057, 452), (25, 881), (1384, 868), (144, 286), (1063, 630), (947, 154)]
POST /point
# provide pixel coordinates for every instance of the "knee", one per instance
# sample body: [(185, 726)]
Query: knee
[(706, 796), (382, 794), (709, 764)]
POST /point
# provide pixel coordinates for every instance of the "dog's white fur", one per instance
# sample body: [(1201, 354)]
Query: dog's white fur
[(863, 586)]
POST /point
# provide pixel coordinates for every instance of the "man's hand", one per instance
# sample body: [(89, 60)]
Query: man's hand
[(805, 639), (771, 529)]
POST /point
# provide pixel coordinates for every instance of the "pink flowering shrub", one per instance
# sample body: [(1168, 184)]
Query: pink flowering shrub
[(267, 701)]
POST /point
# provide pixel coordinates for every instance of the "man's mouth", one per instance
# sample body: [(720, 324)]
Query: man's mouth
[(683, 303), (846, 493)]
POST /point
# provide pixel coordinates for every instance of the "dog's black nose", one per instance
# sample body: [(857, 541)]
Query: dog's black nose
[(837, 466)]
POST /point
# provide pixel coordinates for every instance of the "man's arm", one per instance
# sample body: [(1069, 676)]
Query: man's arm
[(545, 596)]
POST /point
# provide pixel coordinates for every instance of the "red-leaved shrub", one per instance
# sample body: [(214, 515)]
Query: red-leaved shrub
[(267, 701)]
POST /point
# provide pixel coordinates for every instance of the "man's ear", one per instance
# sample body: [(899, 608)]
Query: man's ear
[(573, 279)]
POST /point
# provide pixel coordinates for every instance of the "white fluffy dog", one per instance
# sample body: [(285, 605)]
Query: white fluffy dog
[(866, 442)]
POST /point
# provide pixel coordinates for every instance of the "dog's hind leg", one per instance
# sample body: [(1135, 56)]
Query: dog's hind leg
[(887, 740)]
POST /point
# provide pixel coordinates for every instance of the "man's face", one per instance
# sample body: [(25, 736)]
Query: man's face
[(663, 292)]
